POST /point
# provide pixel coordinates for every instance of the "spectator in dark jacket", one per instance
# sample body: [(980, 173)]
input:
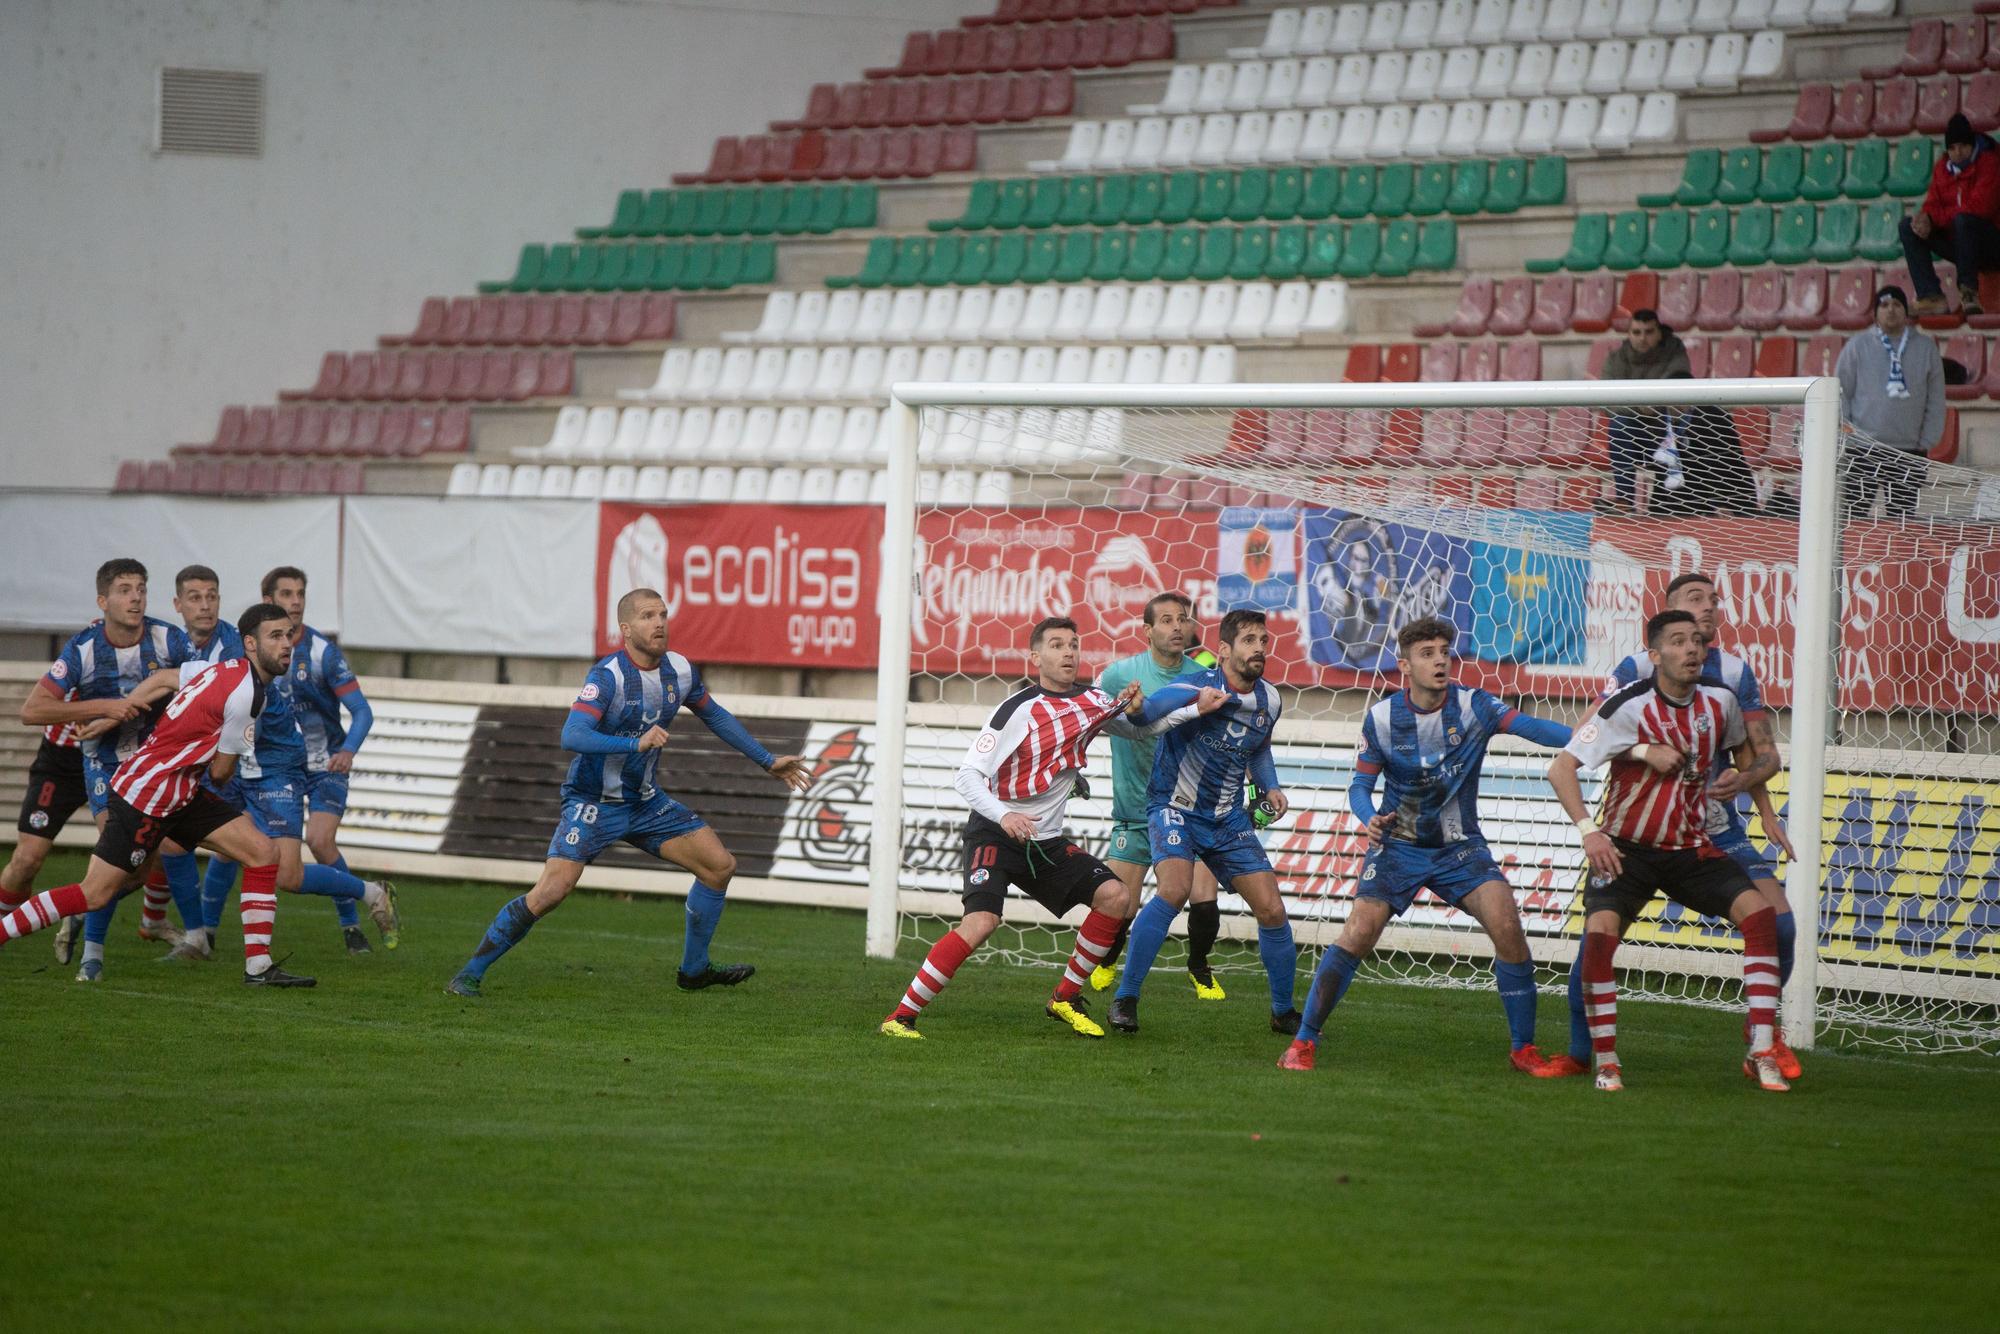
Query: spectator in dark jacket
[(1960, 220), (1651, 351), (1703, 460)]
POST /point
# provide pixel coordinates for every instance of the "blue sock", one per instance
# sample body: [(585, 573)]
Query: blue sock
[(1281, 963), (97, 924), (1330, 979), (505, 933), (215, 887), (1517, 996), (1142, 944), (1788, 938), (184, 880), (704, 913), (333, 884), (1579, 1022), (346, 909)]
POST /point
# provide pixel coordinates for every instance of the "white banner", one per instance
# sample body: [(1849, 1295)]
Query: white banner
[(444, 576), (52, 543)]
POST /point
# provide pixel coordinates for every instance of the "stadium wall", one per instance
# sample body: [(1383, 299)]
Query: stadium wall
[(409, 149)]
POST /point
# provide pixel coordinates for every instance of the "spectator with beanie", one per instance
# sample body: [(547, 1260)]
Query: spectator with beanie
[(1958, 219), (1892, 391), (1651, 351)]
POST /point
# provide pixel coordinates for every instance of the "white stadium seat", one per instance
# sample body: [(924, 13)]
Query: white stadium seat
[(1672, 17), (1289, 306), (750, 485), (630, 440), (557, 479), (1357, 131), (1350, 28), (1463, 131), (1177, 318), (771, 326), (1392, 131), (1213, 148), (1572, 66), (1599, 21), (692, 439), (588, 483), (464, 480), (968, 322), (1561, 20), (526, 481), (1350, 81), (717, 482), (1316, 82), (1005, 316), (563, 439), (1503, 126), (1107, 313), (1149, 140), (1328, 311), (661, 428), (783, 488), (1107, 365), (673, 373), (760, 429), (1419, 27), (1003, 365), (1315, 31), (1724, 67), (1246, 146), (1539, 121), (1288, 131), (1635, 19), (1531, 70), (684, 482), (1454, 23), (1246, 86), (1143, 366), (651, 484), (494, 479), (871, 318), (622, 481), (1489, 23), (1385, 21), (1427, 129), (1218, 304), (1322, 129), (1765, 58), (599, 430), (830, 380), (1619, 123), (1385, 77), (1658, 119), (1114, 147), (1281, 87), (1684, 63), (1608, 60), (1253, 312), (1579, 123), (1647, 66), (1420, 77), (1182, 85), (1142, 312), (1072, 315), (725, 434), (1218, 365), (1216, 79), (1496, 71), (1183, 136), (1524, 20), (866, 373), (1711, 15)]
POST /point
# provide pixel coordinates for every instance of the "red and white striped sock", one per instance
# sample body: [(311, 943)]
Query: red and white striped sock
[(1094, 940), (44, 910), (153, 914), (936, 970), (259, 905), (1760, 975), (1600, 996)]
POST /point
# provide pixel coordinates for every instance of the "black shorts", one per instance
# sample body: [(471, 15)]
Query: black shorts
[(55, 790), (1706, 880), (1054, 872), (130, 836)]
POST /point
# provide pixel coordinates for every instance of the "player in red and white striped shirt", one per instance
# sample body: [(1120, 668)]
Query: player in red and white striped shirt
[(55, 792), (157, 796), (1017, 778), (1654, 835)]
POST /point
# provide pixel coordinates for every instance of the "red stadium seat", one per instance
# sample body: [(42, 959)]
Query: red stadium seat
[(1721, 295), (1946, 449), (1992, 34), (1923, 52), (1600, 349), (1521, 360), (1850, 297), (465, 375), (207, 477), (317, 473), (1697, 350), (1121, 46), (1285, 434), (332, 377), (1777, 357), (1060, 51), (1964, 46), (1570, 437), (877, 101), (339, 430), (658, 317), (1475, 304), (934, 103), (1969, 351), (897, 151), (285, 430), (1820, 353), (1637, 291), (499, 319), (256, 436), (1001, 45), (461, 315), (1526, 441), (1364, 364), (261, 478), (1805, 299), (393, 439), (1937, 103), (1731, 358), (1896, 108), (1812, 117), (867, 157), (943, 57), (345, 479), (1438, 363), (721, 162), (1017, 99), (1324, 437), (1513, 302), (409, 376), (1982, 100), (1156, 39), (1596, 304), (926, 152), (1091, 41), (1763, 300), (568, 327), (558, 375), (312, 429), (846, 112), (916, 57), (1478, 361), (1443, 435), (1989, 383), (1031, 50), (1399, 363), (235, 475), (1853, 107), (1058, 94), (1678, 294), (228, 432), (962, 101), (131, 476), (972, 50), (430, 324), (821, 104), (958, 149), (522, 375), (1555, 302), (367, 437), (627, 314), (905, 103)]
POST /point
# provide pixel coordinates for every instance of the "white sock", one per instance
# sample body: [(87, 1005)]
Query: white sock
[(94, 949)]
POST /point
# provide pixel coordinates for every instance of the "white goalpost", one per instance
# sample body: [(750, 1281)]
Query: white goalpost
[(1344, 511)]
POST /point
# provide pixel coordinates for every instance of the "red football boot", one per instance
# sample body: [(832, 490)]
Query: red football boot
[(1298, 1056)]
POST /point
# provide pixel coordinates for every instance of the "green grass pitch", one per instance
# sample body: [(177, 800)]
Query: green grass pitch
[(588, 1148)]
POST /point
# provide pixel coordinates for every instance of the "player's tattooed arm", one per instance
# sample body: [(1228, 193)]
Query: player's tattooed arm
[(1766, 763)]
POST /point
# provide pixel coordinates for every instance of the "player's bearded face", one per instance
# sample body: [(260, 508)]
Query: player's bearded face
[(273, 647), (647, 630), (1246, 654)]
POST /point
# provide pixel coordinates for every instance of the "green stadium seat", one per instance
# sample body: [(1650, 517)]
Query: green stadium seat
[(1109, 255), (727, 268), (1253, 252), (1867, 173), (642, 269), (659, 206), (975, 259), (1079, 201), (1012, 206), (913, 256), (1469, 183), (527, 272), (558, 267), (681, 213), (1839, 233), (1395, 188), (1322, 193), (859, 204), (1750, 236), (1700, 174), (1398, 253), (1507, 187), (1792, 238), (1218, 247), (1437, 247), (1548, 181), (1357, 194), (1427, 193), (739, 206), (1144, 255), (1880, 238), (1044, 251), (624, 217), (1742, 170), (1627, 246), (696, 266), (978, 211), (1142, 208), (709, 207), (1708, 243), (1288, 188), (1179, 196), (613, 258), (669, 258), (1667, 243), (1114, 200), (1587, 238), (941, 265), (1784, 164), (1323, 247), (875, 265), (1250, 193), (1825, 165), (1288, 252), (1910, 163), (1010, 252), (828, 203), (1044, 202), (1073, 261), (760, 263), (771, 202), (1183, 250), (1359, 249), (1217, 189)]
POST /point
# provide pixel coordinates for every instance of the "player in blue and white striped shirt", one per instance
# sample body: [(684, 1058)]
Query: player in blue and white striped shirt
[(1427, 742), (616, 728)]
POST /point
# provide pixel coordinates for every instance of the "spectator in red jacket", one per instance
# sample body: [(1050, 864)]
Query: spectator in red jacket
[(1958, 219)]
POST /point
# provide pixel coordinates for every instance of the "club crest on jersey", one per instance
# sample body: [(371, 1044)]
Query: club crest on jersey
[(39, 820), (977, 877), (589, 690), (571, 838), (98, 787), (138, 855), (1701, 724), (1262, 720), (60, 671), (987, 741)]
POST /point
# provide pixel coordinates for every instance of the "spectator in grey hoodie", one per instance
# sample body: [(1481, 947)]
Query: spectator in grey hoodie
[(1892, 390), (1651, 351)]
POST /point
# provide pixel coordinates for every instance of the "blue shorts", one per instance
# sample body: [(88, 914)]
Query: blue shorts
[(1229, 847), (326, 792), (588, 828), (97, 783), (1394, 871), (276, 804), (1756, 864)]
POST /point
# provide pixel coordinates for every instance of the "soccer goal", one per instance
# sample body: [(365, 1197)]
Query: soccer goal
[(1345, 511)]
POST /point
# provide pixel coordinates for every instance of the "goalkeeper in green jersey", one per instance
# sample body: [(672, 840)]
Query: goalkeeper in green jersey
[(1172, 651)]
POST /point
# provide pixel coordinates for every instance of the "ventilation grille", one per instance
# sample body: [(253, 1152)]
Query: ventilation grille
[(213, 111)]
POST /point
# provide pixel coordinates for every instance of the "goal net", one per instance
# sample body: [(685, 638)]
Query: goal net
[(1343, 512)]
